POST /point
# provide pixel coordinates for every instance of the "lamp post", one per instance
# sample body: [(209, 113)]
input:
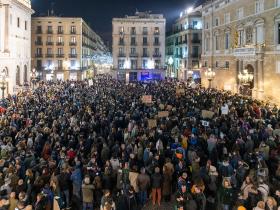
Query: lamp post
[(170, 63), (245, 78), (3, 81), (33, 77), (210, 74), (189, 76)]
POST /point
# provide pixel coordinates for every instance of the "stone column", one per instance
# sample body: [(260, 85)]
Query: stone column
[(260, 80), (236, 76), (6, 29), (256, 85)]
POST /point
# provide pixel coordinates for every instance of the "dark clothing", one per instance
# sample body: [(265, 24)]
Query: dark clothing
[(156, 180)]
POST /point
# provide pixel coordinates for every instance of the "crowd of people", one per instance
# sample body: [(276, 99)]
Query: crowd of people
[(99, 145)]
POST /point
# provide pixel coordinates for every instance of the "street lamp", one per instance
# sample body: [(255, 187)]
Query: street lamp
[(3, 81), (33, 77), (189, 76), (210, 74), (170, 63), (245, 77)]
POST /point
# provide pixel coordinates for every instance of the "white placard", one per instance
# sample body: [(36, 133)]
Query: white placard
[(224, 109)]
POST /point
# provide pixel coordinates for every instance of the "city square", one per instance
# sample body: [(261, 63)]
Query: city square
[(142, 105)]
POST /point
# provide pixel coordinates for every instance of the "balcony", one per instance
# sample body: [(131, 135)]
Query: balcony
[(38, 42), (39, 31), (60, 32), (121, 43), (59, 43), (72, 55), (38, 55), (156, 55), (133, 43), (49, 43), (122, 55), (156, 43), (249, 50), (60, 55), (49, 31), (49, 55), (196, 41), (73, 32), (72, 43), (133, 55), (59, 68)]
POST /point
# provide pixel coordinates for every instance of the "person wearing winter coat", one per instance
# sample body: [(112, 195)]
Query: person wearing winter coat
[(271, 204), (260, 206), (76, 178), (263, 188), (200, 198), (133, 174), (87, 190), (226, 195), (143, 183), (156, 186), (167, 184)]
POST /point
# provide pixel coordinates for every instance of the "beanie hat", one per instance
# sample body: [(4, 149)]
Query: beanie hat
[(241, 208)]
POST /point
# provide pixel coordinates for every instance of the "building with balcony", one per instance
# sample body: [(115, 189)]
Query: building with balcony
[(15, 43), (139, 46), (183, 45), (63, 48), (238, 37)]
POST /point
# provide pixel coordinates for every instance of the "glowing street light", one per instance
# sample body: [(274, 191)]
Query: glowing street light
[(245, 77)]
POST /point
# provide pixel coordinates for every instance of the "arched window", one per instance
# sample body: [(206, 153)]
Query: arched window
[(18, 76)]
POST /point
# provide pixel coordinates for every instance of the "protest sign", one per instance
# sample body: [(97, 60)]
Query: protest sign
[(207, 114), (163, 114), (224, 109), (161, 106), (180, 91), (152, 123), (147, 99)]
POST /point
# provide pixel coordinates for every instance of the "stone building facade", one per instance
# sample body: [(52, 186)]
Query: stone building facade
[(238, 36), (63, 48), (139, 46), (183, 45), (15, 43)]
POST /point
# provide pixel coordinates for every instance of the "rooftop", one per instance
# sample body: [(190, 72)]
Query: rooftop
[(26, 3)]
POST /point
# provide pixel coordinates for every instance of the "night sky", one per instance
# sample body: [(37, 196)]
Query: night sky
[(99, 13)]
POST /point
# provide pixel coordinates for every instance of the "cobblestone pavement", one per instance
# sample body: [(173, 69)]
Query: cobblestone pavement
[(163, 206)]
